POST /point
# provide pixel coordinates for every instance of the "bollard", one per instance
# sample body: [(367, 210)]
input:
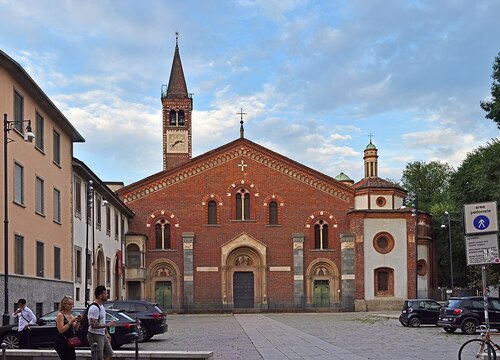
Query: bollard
[(136, 346), (4, 354), (94, 351)]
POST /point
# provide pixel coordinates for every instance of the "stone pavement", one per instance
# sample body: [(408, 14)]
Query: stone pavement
[(353, 336)]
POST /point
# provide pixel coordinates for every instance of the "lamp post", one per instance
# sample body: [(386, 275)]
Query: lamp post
[(89, 202), (449, 239), (28, 136)]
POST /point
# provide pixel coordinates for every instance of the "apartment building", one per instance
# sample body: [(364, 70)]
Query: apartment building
[(38, 195)]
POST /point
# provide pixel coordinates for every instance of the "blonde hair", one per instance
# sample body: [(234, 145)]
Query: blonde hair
[(64, 301)]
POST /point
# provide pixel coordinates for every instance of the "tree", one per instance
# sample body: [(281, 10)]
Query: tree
[(429, 181), (492, 107)]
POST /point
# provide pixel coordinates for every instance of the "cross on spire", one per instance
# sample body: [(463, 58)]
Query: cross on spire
[(176, 38), (370, 135), (242, 131)]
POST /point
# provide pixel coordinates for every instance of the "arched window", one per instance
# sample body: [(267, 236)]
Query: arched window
[(173, 117), (212, 212), (133, 256), (273, 213), (162, 235), (384, 282), (243, 205), (181, 119), (321, 235)]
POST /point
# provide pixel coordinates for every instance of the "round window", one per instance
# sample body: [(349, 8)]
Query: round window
[(381, 201), (383, 242), (422, 267)]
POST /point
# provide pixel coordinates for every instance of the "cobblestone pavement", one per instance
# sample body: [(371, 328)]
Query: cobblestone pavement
[(354, 336)]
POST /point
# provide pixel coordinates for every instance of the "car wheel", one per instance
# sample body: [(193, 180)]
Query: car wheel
[(449, 329), (403, 323), (11, 340), (146, 335), (414, 321), (469, 327)]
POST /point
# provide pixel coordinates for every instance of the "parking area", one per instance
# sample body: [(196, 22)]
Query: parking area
[(353, 336)]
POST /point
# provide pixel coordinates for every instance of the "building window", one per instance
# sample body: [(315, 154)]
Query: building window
[(39, 124), (273, 213), (57, 262), (78, 197), (384, 282), (162, 235), (172, 117), (243, 205), (117, 226), (381, 201), (57, 206), (422, 267), (78, 265), (18, 184), (321, 235), (77, 294), (57, 148), (18, 112), (98, 213), (212, 212), (122, 222), (108, 271), (19, 254), (39, 259), (181, 118), (133, 256), (39, 196), (88, 267), (383, 242), (108, 220)]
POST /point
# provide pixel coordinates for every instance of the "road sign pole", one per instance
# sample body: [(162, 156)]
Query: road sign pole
[(485, 297)]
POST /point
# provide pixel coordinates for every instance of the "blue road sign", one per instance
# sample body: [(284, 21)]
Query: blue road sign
[(481, 222)]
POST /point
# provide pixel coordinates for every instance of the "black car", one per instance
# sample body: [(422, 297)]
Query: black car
[(416, 312), (44, 334), (467, 313), (153, 318)]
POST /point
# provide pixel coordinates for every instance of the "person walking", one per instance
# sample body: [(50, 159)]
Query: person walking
[(97, 325), (25, 318), (66, 325)]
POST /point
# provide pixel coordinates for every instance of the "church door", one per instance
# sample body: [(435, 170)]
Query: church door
[(243, 291), (321, 293), (163, 294)]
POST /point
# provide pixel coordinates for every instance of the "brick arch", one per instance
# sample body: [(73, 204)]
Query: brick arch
[(320, 215), (164, 270), (279, 201), (322, 269), (251, 188), (218, 201), (327, 217), (158, 215)]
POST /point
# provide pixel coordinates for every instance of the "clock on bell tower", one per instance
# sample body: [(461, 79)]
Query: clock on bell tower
[(177, 106)]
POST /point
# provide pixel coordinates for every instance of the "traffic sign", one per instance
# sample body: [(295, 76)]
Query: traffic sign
[(481, 218), (482, 249)]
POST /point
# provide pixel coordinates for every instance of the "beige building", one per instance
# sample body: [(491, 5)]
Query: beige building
[(39, 191)]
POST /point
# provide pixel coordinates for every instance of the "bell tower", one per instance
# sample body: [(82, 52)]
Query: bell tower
[(177, 107)]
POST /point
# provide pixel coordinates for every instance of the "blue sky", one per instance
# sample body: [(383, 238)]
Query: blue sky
[(315, 77)]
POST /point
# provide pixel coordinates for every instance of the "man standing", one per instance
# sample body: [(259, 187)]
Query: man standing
[(97, 325), (26, 318)]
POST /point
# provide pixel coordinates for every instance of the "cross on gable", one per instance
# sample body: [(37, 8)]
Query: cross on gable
[(243, 165)]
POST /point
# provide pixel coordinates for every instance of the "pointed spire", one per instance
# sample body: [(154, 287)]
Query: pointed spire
[(177, 83), (242, 131)]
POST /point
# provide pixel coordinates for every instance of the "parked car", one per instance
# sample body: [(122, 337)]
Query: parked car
[(416, 312), (467, 313), (44, 334), (153, 318)]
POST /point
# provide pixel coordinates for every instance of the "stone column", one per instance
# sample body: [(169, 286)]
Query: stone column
[(187, 242), (347, 285), (298, 269)]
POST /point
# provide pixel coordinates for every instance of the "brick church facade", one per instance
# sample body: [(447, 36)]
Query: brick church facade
[(243, 227)]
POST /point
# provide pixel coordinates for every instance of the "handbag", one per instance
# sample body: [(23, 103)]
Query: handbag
[(73, 341)]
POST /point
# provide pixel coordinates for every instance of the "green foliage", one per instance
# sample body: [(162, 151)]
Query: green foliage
[(492, 107), (429, 181)]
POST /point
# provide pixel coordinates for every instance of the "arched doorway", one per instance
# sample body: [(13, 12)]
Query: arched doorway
[(322, 284), (244, 273), (163, 285), (100, 269)]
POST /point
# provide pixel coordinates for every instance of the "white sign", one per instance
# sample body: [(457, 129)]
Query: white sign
[(481, 218), (482, 249)]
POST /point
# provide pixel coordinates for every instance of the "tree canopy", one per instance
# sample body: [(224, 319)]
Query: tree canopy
[(492, 107)]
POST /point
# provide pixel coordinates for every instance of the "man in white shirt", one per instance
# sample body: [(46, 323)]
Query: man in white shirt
[(26, 318), (97, 325)]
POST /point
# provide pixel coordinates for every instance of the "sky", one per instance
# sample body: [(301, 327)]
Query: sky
[(315, 78)]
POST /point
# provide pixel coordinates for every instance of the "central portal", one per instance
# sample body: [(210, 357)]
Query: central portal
[(243, 291)]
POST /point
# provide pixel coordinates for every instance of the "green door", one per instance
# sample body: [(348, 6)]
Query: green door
[(163, 294), (321, 293)]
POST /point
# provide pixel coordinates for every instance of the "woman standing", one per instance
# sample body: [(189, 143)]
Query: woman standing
[(66, 325)]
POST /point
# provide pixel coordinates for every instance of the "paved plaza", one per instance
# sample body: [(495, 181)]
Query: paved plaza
[(353, 336)]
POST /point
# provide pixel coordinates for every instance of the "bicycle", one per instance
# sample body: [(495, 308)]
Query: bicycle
[(483, 348)]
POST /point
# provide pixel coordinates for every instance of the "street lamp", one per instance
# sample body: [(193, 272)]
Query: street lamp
[(449, 239), (89, 202), (28, 136)]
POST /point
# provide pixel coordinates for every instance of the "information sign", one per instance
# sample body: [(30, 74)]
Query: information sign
[(482, 249), (481, 218)]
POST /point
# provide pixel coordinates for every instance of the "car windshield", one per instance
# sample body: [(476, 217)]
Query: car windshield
[(454, 303)]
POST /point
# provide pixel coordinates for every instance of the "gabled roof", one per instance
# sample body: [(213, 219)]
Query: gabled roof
[(24, 79), (226, 153), (177, 87)]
